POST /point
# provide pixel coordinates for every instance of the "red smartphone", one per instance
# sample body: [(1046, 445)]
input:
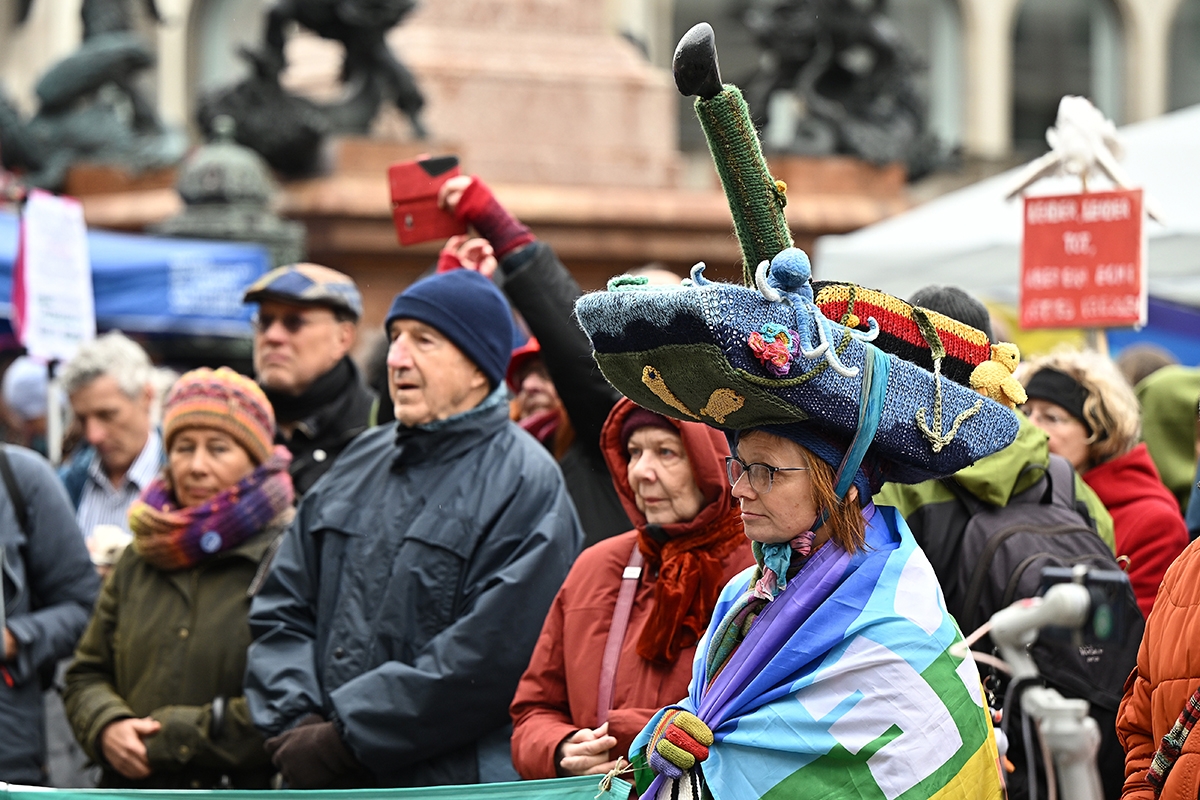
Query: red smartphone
[(415, 210)]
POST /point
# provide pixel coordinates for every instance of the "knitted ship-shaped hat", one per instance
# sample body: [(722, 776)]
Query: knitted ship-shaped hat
[(740, 358)]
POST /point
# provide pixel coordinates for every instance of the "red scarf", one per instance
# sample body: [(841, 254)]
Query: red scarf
[(688, 556), (690, 577)]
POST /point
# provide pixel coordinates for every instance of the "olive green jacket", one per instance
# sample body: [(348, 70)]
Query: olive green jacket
[(164, 645)]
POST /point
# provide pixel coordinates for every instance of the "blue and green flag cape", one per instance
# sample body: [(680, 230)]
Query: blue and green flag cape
[(846, 686)]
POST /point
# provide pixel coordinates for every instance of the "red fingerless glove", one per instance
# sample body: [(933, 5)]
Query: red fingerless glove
[(479, 207), (448, 260)]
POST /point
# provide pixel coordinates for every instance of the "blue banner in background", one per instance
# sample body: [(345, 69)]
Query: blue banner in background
[(1173, 326), (150, 284)]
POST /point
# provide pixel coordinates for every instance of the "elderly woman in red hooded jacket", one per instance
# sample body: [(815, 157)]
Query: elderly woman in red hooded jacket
[(618, 642)]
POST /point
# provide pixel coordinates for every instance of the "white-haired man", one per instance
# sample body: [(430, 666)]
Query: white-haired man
[(109, 387)]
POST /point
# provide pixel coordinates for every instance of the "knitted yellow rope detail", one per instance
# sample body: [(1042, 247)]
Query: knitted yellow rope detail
[(936, 439)]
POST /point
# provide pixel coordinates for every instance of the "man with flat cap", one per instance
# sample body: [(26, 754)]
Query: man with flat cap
[(305, 327), (407, 596)]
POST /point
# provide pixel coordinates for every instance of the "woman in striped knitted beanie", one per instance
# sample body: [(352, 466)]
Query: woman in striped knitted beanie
[(180, 597)]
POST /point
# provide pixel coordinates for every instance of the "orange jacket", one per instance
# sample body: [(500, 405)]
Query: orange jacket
[(1167, 674)]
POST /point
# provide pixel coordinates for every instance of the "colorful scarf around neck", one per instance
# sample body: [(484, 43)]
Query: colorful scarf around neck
[(171, 537)]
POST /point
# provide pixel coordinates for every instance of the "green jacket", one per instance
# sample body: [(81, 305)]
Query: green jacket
[(938, 519), (1168, 398), (164, 645)]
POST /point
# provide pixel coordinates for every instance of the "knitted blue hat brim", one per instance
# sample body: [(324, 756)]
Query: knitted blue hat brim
[(467, 309), (684, 352)]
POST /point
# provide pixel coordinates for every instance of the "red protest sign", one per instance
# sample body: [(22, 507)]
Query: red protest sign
[(1083, 261)]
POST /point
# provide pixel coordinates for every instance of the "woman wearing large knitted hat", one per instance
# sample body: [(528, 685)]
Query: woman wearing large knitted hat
[(831, 668), (155, 692), (831, 665), (1092, 418)]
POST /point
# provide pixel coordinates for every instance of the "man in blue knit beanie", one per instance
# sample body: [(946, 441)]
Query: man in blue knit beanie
[(406, 599)]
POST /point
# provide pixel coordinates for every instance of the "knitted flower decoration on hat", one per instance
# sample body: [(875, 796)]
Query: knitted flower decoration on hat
[(223, 400)]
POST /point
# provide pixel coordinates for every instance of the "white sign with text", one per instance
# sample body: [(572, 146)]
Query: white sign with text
[(52, 286)]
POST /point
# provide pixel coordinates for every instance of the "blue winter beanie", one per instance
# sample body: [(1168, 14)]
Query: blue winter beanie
[(467, 309)]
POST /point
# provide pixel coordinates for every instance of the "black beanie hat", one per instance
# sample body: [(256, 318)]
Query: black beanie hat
[(467, 309), (1058, 387), (955, 304)]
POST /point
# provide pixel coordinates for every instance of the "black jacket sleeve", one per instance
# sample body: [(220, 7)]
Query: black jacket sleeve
[(542, 289)]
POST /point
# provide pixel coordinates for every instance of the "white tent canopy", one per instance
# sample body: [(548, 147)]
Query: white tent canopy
[(971, 237)]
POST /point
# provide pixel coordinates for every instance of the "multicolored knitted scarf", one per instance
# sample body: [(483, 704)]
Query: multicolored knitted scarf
[(776, 564), (172, 538), (1172, 744)]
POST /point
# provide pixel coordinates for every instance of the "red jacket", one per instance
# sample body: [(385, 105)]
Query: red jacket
[(557, 694), (1146, 521), (1168, 672)]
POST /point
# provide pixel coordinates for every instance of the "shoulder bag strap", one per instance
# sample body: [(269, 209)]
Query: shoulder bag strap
[(616, 633)]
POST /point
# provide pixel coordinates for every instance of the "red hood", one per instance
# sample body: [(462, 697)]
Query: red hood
[(706, 451), (1127, 479)]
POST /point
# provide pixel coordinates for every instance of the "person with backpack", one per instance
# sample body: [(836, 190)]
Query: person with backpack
[(990, 528), (1091, 417), (49, 589)]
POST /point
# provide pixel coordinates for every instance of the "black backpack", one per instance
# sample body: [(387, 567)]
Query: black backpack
[(1003, 552)]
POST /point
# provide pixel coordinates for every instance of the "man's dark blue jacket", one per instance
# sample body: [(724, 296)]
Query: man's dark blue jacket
[(407, 597)]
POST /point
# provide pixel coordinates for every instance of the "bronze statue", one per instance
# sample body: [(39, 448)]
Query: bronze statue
[(846, 63), (288, 130), (89, 106)]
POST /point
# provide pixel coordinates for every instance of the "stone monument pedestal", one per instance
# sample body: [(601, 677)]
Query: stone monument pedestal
[(534, 91)]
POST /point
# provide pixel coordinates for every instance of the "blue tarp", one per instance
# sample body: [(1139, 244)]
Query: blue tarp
[(151, 284), (1173, 326)]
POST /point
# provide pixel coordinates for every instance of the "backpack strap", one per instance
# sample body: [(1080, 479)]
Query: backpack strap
[(969, 501), (1061, 476)]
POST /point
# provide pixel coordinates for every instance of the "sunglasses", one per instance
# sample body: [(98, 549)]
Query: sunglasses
[(292, 323)]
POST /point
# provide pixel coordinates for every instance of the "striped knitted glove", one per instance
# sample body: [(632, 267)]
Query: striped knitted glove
[(679, 742), (479, 207)]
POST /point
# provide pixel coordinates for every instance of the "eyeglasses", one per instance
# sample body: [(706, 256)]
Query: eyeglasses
[(292, 323), (761, 476)]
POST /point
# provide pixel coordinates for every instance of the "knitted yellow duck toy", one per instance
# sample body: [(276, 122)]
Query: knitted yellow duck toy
[(994, 378)]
